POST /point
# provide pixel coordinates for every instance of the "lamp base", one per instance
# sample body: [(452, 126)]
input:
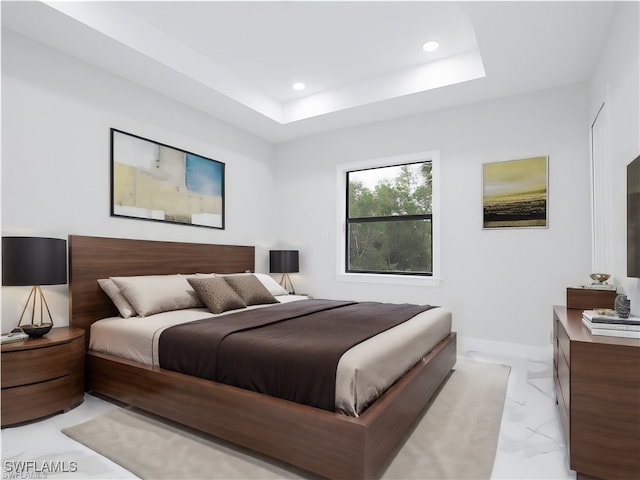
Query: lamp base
[(285, 282), (41, 328), (37, 331)]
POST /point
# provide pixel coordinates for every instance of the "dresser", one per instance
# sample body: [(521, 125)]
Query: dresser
[(42, 376), (597, 385)]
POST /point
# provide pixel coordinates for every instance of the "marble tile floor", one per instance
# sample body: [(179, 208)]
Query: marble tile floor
[(530, 445), (531, 442)]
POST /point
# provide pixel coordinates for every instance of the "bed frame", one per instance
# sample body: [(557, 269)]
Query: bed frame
[(329, 444)]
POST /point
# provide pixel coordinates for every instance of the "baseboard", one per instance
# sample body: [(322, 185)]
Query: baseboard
[(504, 348)]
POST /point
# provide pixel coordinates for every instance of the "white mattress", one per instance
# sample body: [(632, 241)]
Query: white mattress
[(364, 372)]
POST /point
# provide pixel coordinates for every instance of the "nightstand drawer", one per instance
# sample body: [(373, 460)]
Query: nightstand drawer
[(42, 376), (21, 404), (25, 367)]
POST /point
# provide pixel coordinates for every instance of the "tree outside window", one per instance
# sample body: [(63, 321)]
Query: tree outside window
[(389, 220)]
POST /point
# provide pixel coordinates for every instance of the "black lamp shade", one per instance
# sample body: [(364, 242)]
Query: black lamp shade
[(283, 261), (29, 261)]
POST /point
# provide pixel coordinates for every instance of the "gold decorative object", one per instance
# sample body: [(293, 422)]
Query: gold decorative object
[(600, 278)]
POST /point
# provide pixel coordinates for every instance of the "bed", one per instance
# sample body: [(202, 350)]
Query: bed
[(333, 445)]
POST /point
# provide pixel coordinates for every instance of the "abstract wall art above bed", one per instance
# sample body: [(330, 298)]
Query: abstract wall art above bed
[(153, 181)]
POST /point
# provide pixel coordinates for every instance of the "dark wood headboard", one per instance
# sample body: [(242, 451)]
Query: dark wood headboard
[(91, 258)]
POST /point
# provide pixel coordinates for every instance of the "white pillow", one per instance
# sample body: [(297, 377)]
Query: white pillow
[(151, 294), (270, 284), (114, 293)]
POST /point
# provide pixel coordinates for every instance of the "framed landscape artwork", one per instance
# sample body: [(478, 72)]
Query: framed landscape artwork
[(515, 193), (153, 181)]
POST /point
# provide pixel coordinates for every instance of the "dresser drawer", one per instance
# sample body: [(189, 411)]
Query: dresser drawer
[(20, 404), (25, 367), (564, 344), (564, 379), (564, 422)]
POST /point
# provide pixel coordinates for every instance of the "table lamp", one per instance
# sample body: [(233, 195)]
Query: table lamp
[(285, 262), (34, 261)]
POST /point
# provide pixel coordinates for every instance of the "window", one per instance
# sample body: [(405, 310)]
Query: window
[(389, 219)]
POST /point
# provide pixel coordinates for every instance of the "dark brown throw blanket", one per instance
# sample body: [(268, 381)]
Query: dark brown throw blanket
[(289, 351)]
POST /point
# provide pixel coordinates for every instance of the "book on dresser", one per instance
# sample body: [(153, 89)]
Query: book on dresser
[(599, 286), (607, 319), (610, 325)]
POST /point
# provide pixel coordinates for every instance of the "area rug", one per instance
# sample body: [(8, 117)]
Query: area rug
[(455, 438)]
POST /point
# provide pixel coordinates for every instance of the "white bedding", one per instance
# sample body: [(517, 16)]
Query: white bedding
[(364, 372)]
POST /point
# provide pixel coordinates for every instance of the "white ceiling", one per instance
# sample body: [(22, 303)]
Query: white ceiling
[(361, 61)]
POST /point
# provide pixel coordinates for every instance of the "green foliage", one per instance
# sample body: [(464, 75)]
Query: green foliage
[(409, 193), (392, 245)]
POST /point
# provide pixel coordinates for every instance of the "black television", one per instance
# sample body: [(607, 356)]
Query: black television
[(633, 218)]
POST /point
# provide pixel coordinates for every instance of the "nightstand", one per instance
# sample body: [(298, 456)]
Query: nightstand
[(42, 376)]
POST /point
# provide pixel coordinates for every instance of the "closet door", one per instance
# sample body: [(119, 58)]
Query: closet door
[(602, 195)]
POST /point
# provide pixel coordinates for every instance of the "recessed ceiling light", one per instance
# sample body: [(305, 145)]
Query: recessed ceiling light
[(430, 46), (298, 86)]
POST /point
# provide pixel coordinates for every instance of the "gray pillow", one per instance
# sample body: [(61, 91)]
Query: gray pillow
[(250, 289), (216, 294)]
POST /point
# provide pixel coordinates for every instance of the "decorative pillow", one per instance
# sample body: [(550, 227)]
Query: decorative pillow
[(250, 289), (216, 294), (149, 294), (270, 284), (114, 293)]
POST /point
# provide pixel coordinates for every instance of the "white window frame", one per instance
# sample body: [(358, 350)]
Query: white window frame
[(418, 280)]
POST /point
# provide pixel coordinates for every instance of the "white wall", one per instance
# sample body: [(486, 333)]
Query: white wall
[(500, 284), (616, 83), (56, 116)]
